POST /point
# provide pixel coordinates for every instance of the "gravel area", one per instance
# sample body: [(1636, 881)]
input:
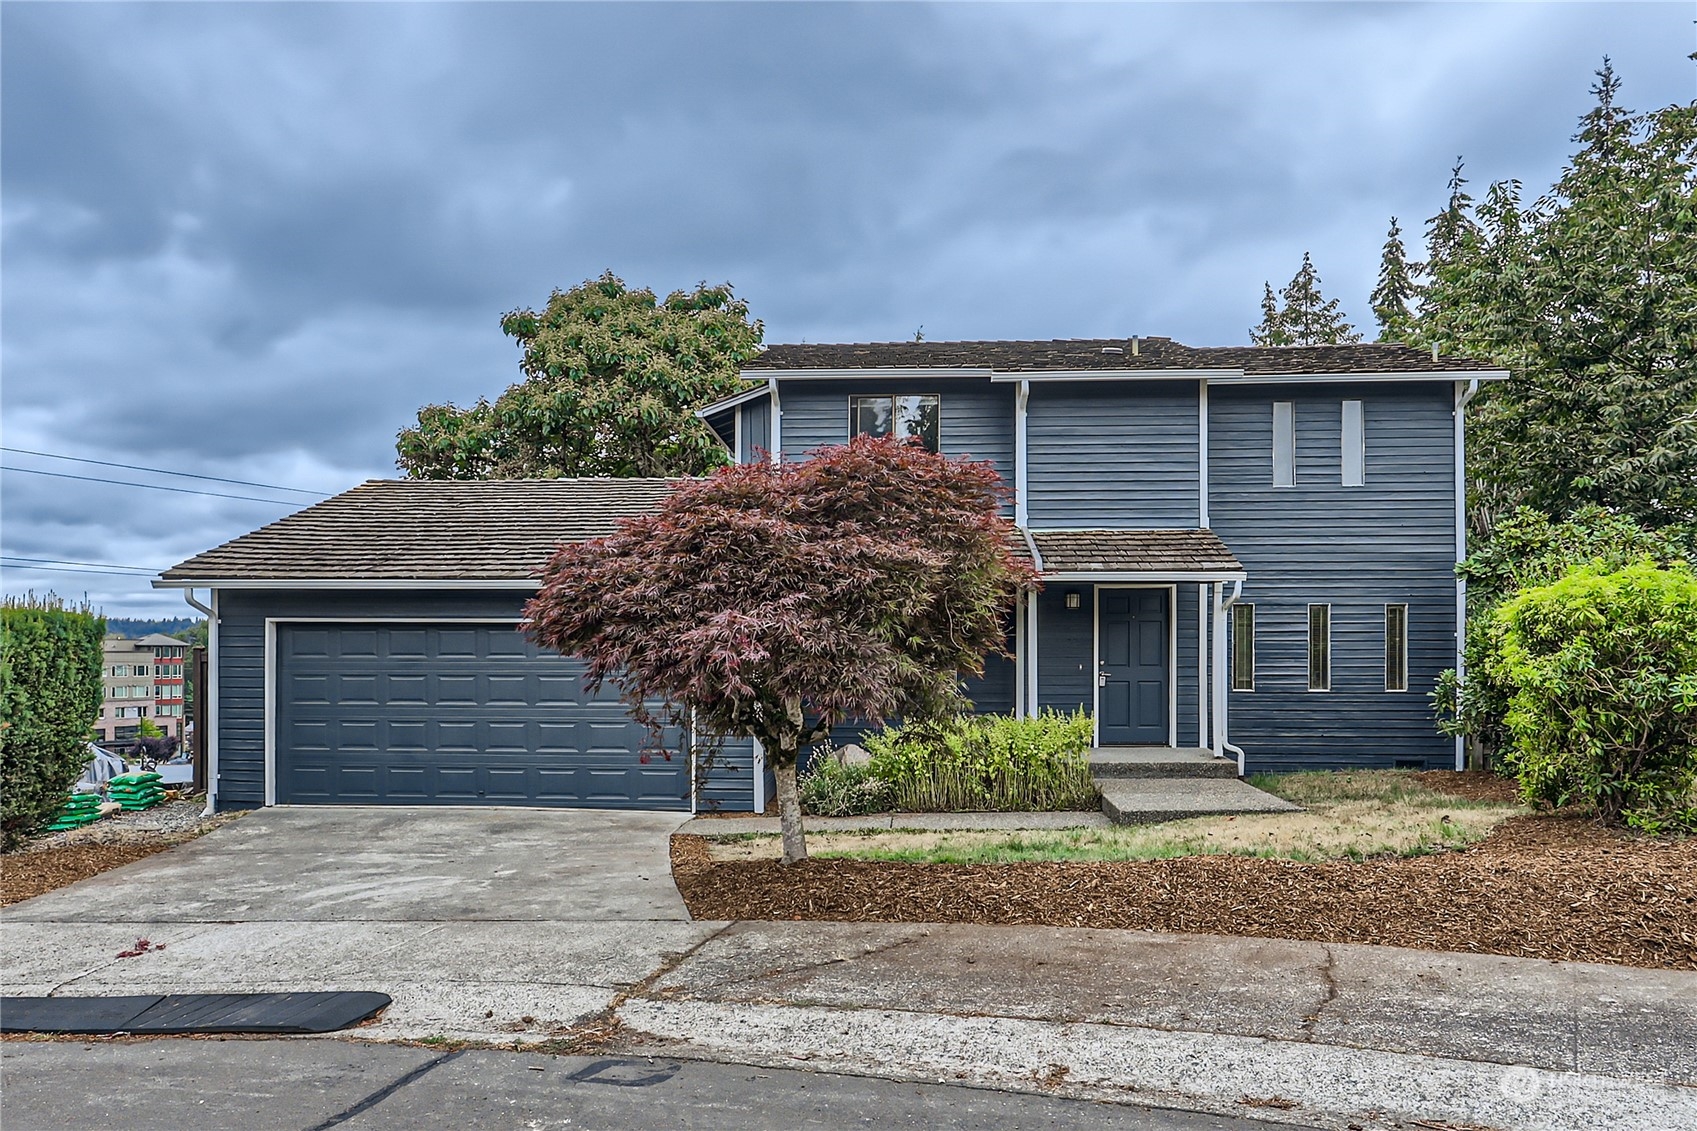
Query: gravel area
[(142, 826)]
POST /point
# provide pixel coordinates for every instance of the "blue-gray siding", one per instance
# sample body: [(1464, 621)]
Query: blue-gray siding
[(1112, 455), (975, 417), (241, 671), (756, 429), (1356, 548)]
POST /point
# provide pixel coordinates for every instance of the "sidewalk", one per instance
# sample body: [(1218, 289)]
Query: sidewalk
[(1329, 1035)]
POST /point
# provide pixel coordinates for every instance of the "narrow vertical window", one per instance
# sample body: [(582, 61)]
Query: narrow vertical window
[(1396, 647), (1284, 444), (1319, 647), (1354, 445), (1243, 647)]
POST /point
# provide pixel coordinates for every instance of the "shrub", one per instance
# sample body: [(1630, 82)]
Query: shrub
[(50, 693), (831, 788), (1602, 672), (1529, 549), (988, 762)]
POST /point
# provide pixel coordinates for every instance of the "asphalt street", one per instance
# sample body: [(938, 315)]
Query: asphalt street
[(316, 1085)]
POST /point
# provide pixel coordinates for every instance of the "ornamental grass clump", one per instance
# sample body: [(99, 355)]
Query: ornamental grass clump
[(1602, 672), (833, 788), (988, 763)]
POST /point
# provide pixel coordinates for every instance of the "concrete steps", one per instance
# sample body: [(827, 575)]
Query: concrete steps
[(1143, 785)]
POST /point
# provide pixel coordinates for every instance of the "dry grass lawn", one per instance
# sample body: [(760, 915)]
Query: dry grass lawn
[(1355, 815)]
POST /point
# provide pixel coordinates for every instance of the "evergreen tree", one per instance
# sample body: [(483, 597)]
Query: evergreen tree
[(1588, 296), (1271, 332), (1394, 294), (1308, 318)]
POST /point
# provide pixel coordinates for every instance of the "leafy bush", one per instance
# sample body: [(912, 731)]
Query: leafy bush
[(831, 788), (50, 694), (1602, 673), (988, 762), (1529, 549)]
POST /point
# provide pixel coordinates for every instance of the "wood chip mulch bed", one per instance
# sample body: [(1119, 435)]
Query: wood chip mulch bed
[(25, 875), (1543, 886)]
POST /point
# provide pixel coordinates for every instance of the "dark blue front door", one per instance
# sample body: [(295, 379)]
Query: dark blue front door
[(1132, 708)]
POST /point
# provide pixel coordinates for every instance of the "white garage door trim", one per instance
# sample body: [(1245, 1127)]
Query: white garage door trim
[(271, 676)]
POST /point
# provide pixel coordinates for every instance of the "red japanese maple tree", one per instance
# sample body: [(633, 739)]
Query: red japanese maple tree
[(773, 601)]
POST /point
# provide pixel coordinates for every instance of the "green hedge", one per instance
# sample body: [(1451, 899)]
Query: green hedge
[(1601, 668), (987, 763), (50, 694)]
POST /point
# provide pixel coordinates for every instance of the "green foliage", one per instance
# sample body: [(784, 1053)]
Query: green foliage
[(1530, 549), (1602, 666), (50, 694), (147, 728), (988, 762), (1307, 318), (1588, 296), (611, 378), (833, 788)]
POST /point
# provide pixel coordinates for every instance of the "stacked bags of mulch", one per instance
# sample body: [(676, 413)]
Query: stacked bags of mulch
[(79, 809), (136, 791)]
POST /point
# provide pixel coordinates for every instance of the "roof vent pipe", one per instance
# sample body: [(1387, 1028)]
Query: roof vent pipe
[(1434, 351), (1134, 345)]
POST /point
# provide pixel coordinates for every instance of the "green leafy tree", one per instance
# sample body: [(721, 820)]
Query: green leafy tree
[(610, 378), (1588, 296), (1602, 666), (50, 694), (1395, 293), (1301, 316)]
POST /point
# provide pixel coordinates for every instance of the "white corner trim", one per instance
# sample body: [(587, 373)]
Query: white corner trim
[(270, 715), (1021, 457), (777, 448), (1202, 453)]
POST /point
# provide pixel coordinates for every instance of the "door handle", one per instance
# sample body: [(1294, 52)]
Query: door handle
[(1101, 679)]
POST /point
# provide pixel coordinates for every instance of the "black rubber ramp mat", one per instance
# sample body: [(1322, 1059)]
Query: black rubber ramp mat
[(177, 1014)]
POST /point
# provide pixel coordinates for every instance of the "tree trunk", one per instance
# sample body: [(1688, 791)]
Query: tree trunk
[(789, 812)]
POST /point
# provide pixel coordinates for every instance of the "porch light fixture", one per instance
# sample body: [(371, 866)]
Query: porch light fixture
[(1073, 599)]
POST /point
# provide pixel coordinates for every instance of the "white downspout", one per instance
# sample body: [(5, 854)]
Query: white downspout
[(1221, 700), (1031, 648), (1202, 650), (1019, 656), (210, 738), (1022, 395), (1461, 402)]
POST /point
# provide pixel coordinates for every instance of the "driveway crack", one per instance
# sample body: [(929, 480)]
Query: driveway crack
[(386, 1091), (1329, 981)]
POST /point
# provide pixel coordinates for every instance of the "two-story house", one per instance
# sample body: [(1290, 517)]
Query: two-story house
[(1245, 550)]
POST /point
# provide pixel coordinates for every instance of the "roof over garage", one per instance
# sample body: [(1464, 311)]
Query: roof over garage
[(500, 530)]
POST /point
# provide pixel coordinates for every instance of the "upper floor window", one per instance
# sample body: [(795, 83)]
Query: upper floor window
[(909, 417), (1354, 445), (1284, 443)]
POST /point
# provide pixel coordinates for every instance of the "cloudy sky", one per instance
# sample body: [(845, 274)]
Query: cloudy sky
[(247, 241)]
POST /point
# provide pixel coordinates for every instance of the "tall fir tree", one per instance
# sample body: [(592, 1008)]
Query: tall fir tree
[(1307, 317), (1271, 332), (1395, 293)]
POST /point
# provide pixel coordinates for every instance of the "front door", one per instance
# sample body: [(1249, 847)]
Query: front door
[(1132, 703)]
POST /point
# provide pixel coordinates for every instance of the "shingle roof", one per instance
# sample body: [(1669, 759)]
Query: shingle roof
[(497, 530), (1134, 551), (1088, 353)]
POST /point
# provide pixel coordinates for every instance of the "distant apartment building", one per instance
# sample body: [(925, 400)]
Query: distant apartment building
[(144, 680)]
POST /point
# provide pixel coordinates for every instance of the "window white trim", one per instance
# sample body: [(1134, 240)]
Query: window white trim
[(852, 397), (1284, 443), (1327, 686), (1353, 456)]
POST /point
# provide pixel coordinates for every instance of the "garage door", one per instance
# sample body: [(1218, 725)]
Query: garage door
[(454, 714)]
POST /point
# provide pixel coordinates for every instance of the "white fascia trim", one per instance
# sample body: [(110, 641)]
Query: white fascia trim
[(1151, 576), (347, 583), (774, 375), (732, 402), (1328, 378), (1116, 375)]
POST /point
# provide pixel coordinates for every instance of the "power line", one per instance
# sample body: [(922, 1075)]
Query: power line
[(160, 471), (151, 486), (74, 569), (69, 562)]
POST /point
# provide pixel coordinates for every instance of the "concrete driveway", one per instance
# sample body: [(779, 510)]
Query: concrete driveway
[(479, 922)]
